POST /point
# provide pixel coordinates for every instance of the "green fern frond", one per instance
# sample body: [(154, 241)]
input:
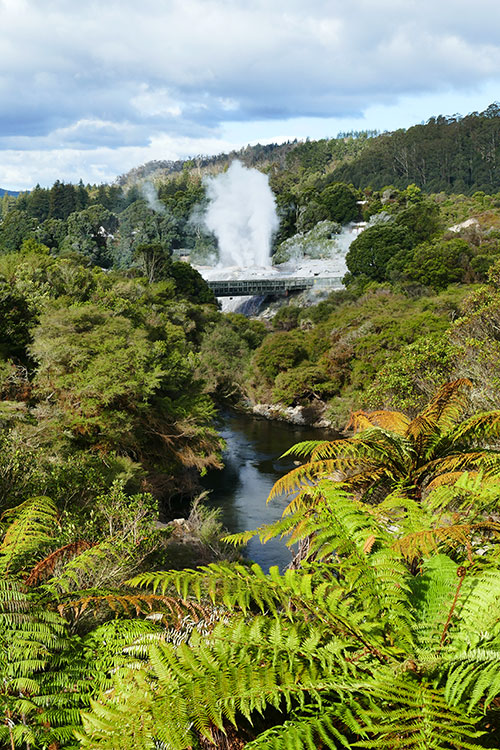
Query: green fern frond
[(407, 714), (476, 430), (304, 733), (474, 676), (29, 529)]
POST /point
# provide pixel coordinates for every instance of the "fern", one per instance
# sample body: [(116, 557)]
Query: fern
[(412, 715), (28, 530)]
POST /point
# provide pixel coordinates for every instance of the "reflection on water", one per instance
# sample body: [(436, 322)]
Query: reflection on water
[(252, 465)]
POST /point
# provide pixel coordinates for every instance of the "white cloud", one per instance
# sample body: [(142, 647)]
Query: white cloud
[(117, 75)]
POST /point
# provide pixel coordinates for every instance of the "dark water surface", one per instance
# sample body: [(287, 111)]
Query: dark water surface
[(252, 466)]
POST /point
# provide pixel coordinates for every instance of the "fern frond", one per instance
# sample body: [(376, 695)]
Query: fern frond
[(28, 530), (46, 566), (474, 676), (304, 732), (395, 421), (425, 541), (476, 429), (447, 405), (408, 714)]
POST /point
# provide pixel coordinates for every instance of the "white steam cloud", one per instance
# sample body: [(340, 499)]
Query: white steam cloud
[(242, 215), (150, 195)]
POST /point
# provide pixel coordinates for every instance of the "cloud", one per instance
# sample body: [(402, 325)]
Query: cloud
[(120, 75)]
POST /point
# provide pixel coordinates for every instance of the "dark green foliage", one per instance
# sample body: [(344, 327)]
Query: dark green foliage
[(153, 258), (89, 233), (420, 218), (14, 229), (62, 200), (454, 154), (16, 321), (52, 233), (304, 384), (371, 252), (341, 203), (37, 203), (252, 331), (190, 284), (438, 264), (140, 225), (286, 318)]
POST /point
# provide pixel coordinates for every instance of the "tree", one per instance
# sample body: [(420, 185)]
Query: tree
[(190, 284), (279, 352), (123, 383), (372, 251), (391, 453), (14, 229), (90, 233), (16, 321), (440, 263), (62, 200), (341, 202), (140, 225), (153, 259)]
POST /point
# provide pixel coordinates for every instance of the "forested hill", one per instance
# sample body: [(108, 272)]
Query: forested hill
[(451, 154)]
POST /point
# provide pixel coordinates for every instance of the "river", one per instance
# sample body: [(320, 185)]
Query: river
[(251, 467)]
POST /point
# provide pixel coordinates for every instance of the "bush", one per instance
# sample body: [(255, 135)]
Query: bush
[(303, 385), (371, 252), (279, 352)]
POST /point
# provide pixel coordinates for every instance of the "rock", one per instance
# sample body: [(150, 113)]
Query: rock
[(299, 415), (464, 225)]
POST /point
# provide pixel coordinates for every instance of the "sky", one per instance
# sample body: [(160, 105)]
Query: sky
[(89, 90)]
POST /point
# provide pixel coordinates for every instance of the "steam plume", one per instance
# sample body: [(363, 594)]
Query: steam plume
[(242, 215), (151, 196)]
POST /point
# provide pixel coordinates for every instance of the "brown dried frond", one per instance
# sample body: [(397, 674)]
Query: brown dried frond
[(428, 540), (138, 604), (46, 567), (461, 462), (223, 740), (395, 421)]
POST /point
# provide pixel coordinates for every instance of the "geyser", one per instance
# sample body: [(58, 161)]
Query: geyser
[(242, 215)]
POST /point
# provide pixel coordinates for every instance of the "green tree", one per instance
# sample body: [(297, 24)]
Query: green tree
[(190, 284), (341, 203), (153, 258), (279, 352), (90, 233), (62, 200), (16, 322), (140, 225), (372, 251), (440, 263), (14, 229)]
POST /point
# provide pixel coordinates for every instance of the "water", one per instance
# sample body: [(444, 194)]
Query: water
[(252, 466)]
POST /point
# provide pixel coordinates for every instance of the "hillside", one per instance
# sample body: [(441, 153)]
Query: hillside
[(451, 154)]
